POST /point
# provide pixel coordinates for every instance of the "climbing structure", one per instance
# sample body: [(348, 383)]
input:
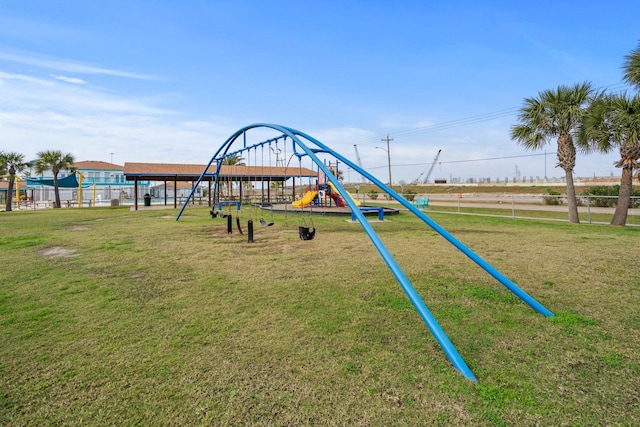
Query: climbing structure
[(303, 145)]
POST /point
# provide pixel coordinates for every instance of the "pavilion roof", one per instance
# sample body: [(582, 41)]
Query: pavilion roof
[(96, 164), (190, 172)]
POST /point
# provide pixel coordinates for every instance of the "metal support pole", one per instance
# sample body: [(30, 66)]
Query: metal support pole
[(250, 231)]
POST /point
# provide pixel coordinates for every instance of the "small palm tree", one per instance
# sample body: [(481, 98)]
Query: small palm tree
[(631, 68), (555, 114), (3, 164), (614, 121), (55, 161), (12, 163), (232, 160)]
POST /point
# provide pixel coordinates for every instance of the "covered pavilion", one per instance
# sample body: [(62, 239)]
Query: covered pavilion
[(172, 172)]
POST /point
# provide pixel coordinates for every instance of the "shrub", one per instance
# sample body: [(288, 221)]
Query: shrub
[(373, 194), (553, 199), (410, 195), (604, 196)]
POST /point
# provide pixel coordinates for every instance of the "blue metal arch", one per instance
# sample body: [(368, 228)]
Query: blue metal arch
[(301, 149)]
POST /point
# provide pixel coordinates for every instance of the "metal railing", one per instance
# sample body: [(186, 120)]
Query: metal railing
[(591, 209)]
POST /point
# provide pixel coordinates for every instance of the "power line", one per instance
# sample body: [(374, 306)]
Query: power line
[(452, 123), (498, 158), (468, 160), (465, 121)]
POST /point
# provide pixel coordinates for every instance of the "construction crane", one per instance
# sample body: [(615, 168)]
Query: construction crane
[(355, 147), (426, 178)]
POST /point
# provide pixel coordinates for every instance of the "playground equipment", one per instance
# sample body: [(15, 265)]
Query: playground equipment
[(335, 195), (304, 145), (70, 181), (337, 192), (306, 199)]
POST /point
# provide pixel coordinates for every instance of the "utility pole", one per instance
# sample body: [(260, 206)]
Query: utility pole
[(387, 140)]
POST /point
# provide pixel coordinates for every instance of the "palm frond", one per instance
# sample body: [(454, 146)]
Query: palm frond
[(631, 67)]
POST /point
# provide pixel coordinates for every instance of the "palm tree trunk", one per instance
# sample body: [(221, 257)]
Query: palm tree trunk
[(624, 197), (56, 190), (10, 192), (571, 199), (567, 161)]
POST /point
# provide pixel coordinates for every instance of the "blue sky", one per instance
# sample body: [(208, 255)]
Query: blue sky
[(169, 81)]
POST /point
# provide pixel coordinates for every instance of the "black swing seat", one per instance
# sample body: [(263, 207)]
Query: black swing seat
[(264, 223), (238, 225), (307, 233)]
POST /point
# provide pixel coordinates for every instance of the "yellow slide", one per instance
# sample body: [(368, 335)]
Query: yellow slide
[(306, 199), (348, 194)]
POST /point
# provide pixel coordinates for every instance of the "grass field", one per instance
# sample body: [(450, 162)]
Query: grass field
[(113, 317)]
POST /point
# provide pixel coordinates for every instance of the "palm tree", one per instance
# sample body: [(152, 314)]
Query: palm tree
[(13, 163), (232, 160), (56, 161), (614, 121), (555, 114), (631, 67), (3, 164)]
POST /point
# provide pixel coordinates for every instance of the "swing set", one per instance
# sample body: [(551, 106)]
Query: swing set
[(248, 183), (305, 146)]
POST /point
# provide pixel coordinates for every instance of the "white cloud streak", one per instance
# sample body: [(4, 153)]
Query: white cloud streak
[(44, 114), (72, 80), (66, 65)]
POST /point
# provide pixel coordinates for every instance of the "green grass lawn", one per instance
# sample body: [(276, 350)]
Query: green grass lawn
[(113, 317)]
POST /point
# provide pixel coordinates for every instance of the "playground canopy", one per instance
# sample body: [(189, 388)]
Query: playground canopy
[(67, 182)]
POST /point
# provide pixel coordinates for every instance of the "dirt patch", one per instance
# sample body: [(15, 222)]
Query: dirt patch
[(78, 228), (287, 248), (58, 252)]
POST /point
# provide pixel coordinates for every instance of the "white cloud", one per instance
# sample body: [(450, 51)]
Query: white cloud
[(73, 80), (30, 93), (43, 113), (66, 65)]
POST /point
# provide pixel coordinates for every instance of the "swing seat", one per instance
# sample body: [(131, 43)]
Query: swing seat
[(265, 224), (306, 233), (238, 225)]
